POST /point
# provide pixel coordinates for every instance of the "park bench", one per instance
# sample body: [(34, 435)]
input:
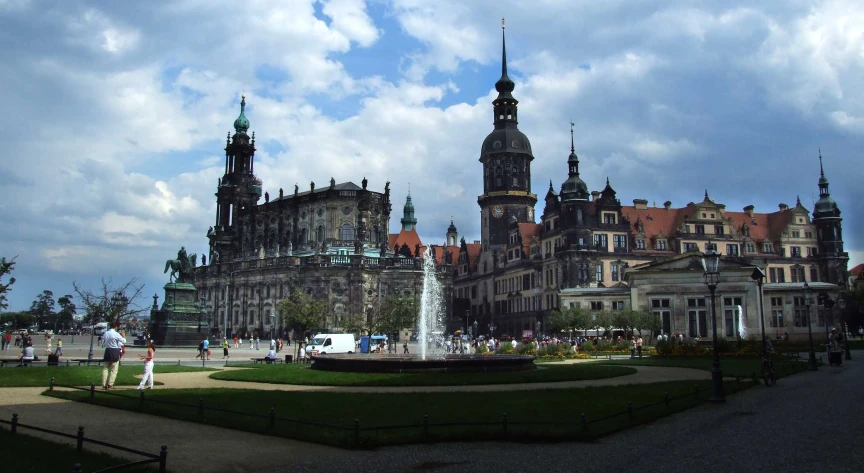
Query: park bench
[(81, 361), (266, 360), (18, 362)]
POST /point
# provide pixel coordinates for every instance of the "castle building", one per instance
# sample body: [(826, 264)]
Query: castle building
[(590, 251), (331, 241)]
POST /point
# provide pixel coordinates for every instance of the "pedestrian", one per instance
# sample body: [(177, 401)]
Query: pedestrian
[(633, 347), (257, 343), (639, 347), (302, 355), (235, 342), (405, 347), (59, 351), (114, 342), (860, 333), (17, 340), (200, 350), (8, 340), (148, 366), (205, 349), (225, 349)]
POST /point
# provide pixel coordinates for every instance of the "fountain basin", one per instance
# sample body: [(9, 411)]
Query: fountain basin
[(416, 364)]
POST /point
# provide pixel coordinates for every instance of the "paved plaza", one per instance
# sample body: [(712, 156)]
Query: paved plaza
[(809, 422)]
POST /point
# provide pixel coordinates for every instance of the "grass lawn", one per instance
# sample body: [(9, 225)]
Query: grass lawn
[(732, 366), (40, 376), (382, 413), (302, 374), (62, 457)]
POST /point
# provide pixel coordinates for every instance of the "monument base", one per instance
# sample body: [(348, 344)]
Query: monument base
[(179, 322)]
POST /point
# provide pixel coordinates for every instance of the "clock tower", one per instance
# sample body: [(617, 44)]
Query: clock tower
[(506, 157)]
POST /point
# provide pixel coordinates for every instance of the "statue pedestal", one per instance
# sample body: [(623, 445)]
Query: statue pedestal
[(180, 321)]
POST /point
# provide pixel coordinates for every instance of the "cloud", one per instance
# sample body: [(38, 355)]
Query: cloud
[(117, 115)]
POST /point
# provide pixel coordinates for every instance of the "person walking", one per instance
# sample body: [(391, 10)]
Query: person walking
[(302, 354), (257, 343), (205, 349), (225, 349), (639, 347), (59, 351), (235, 342), (405, 347), (148, 366), (114, 342)]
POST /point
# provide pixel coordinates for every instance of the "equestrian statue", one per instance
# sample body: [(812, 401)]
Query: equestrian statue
[(182, 267)]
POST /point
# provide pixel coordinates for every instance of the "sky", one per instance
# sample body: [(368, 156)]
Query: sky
[(115, 113)]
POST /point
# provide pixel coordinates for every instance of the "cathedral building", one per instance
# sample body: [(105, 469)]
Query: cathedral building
[(588, 250), (331, 241)]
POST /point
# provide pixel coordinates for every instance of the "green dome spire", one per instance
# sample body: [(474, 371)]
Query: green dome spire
[(241, 124)]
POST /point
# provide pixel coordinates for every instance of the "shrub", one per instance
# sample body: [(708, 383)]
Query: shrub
[(526, 349), (506, 348), (663, 347), (481, 349), (587, 346), (724, 346), (604, 345)]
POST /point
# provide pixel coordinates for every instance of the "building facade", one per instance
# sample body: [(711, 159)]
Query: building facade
[(588, 250), (332, 242)]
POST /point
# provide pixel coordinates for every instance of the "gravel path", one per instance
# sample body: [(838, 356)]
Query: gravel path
[(808, 422)]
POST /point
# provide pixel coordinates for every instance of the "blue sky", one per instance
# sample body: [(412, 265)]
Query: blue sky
[(116, 112)]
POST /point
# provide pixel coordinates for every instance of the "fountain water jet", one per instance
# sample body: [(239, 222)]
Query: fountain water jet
[(430, 302)]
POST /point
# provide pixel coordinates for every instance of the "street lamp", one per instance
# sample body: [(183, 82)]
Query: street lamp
[(841, 303), (711, 265), (807, 292), (475, 329), (758, 275), (827, 308)]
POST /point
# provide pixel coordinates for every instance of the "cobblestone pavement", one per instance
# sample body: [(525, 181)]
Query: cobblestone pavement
[(809, 422)]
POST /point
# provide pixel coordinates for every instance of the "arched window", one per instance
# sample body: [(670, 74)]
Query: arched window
[(346, 233), (320, 235), (304, 236)]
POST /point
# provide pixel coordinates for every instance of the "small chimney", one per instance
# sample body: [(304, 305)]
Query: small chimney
[(640, 204), (749, 210), (783, 207), (595, 195), (667, 204)]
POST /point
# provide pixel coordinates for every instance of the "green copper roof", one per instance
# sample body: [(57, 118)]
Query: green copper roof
[(241, 124)]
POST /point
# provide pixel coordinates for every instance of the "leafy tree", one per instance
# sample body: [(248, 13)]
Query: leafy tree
[(397, 312), (43, 308), (647, 321), (301, 311), (5, 268), (602, 320), (66, 316), (572, 318), (111, 303), (17, 320)]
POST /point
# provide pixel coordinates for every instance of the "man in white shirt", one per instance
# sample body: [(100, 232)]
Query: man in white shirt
[(114, 342)]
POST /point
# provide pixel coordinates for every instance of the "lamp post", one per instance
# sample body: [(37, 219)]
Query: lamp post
[(758, 275), (807, 292), (841, 303), (711, 265), (475, 329), (538, 330), (92, 331)]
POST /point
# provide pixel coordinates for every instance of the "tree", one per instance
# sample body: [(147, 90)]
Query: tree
[(66, 316), (17, 320), (396, 312), (301, 311), (647, 321), (572, 318), (602, 320), (43, 309), (5, 268), (626, 320), (111, 303)]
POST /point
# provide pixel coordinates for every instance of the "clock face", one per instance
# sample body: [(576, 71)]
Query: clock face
[(497, 211)]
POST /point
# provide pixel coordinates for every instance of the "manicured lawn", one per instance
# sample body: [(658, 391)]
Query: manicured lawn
[(731, 366), (561, 410), (302, 374), (30, 455), (40, 376)]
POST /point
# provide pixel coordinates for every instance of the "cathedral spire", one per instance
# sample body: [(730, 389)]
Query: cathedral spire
[(408, 221), (504, 86), (241, 124)]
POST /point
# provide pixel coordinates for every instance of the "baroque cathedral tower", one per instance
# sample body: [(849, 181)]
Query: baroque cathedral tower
[(826, 217), (506, 157)]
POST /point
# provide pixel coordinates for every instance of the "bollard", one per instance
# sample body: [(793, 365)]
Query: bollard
[(629, 410), (504, 423), (163, 458), (92, 391), (142, 398), (76, 468), (51, 386), (272, 418), (356, 432), (696, 392), (666, 398), (79, 443), (200, 406), (425, 427), (584, 421), (14, 427)]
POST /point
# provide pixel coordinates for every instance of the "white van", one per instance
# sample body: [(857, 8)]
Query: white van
[(100, 328), (324, 343)]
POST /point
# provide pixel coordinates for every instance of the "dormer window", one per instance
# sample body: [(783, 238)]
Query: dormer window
[(767, 248), (640, 244), (609, 218)]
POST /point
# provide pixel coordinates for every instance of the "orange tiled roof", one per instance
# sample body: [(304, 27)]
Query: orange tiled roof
[(409, 238), (857, 270), (527, 231), (657, 220), (473, 253)]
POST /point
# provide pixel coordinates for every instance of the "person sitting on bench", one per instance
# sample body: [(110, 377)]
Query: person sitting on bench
[(28, 353), (271, 356)]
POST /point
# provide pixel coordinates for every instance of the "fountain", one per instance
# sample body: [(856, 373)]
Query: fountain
[(430, 321), (742, 323)]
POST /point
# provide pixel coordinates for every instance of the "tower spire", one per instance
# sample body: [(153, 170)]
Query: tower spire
[(821, 171), (572, 148), (504, 85)]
